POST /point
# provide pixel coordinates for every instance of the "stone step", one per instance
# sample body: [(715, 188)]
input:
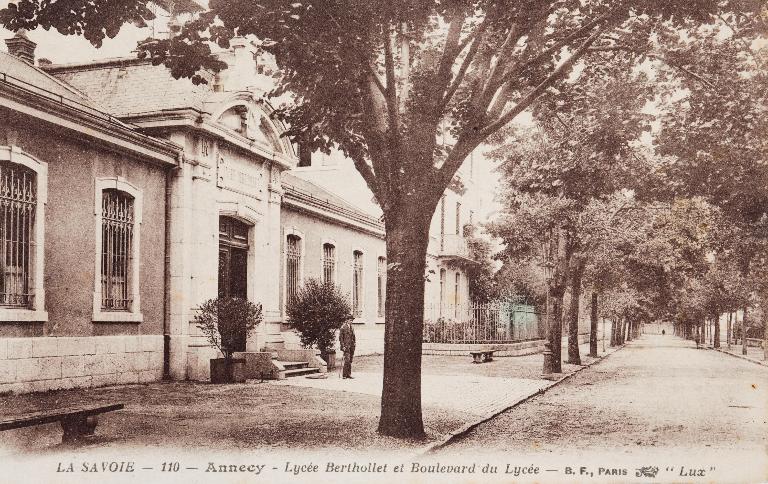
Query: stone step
[(293, 365), (301, 372)]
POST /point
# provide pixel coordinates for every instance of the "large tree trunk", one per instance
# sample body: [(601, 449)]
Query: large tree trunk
[(619, 335), (407, 239), (744, 333), (556, 332), (728, 330), (614, 333), (716, 344), (574, 357), (593, 326)]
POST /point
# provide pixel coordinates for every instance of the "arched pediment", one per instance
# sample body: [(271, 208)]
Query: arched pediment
[(250, 118)]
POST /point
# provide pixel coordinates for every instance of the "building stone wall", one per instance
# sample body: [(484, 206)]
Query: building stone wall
[(55, 363), (369, 328), (70, 243)]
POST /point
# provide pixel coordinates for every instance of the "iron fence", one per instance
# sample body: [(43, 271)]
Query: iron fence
[(482, 323)]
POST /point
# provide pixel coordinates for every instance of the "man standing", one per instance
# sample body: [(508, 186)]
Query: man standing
[(347, 343)]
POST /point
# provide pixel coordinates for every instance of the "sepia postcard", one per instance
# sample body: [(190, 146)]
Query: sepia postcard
[(384, 241)]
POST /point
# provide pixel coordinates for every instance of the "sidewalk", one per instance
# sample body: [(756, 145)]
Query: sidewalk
[(754, 353), (295, 413)]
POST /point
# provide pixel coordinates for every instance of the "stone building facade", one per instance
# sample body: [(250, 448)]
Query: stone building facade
[(173, 195), (82, 226)]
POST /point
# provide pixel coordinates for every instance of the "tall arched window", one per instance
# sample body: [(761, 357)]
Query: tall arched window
[(357, 284), (292, 266), (329, 263), (23, 197), (18, 207), (117, 223), (118, 235)]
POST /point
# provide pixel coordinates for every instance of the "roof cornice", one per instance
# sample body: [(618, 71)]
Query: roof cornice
[(191, 118), (301, 201), (87, 121)]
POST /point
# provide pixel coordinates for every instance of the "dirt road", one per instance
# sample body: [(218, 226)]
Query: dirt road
[(658, 398)]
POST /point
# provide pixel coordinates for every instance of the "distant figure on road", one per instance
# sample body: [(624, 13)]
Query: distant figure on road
[(663, 332), (347, 343)]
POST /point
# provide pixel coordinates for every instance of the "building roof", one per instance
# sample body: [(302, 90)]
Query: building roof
[(130, 86), (28, 89), (297, 189), (34, 78)]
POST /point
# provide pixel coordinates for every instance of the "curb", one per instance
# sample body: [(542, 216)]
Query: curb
[(741, 357), (460, 432)]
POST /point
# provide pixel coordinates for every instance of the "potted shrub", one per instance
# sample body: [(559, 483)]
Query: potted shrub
[(317, 311), (225, 322)]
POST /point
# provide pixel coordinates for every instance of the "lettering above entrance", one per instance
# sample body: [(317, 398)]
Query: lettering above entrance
[(239, 179)]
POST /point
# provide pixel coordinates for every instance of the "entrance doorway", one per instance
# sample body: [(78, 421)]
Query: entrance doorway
[(233, 262)]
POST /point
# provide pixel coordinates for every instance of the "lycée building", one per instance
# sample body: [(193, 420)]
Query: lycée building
[(128, 197)]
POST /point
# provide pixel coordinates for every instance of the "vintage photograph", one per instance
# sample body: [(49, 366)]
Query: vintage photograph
[(384, 241)]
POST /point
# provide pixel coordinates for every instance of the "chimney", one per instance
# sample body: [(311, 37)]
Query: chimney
[(20, 46)]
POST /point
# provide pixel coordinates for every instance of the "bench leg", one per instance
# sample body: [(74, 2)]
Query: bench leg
[(477, 358), (75, 428)]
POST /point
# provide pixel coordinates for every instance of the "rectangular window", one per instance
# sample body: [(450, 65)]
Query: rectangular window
[(116, 250), (329, 263), (292, 266), (457, 294), (18, 204), (442, 291), (458, 218), (357, 284), (382, 283), (442, 222)]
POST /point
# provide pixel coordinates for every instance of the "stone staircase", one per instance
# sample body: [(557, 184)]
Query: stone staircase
[(295, 368)]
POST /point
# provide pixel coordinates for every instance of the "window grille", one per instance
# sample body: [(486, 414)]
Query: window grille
[(329, 263), (357, 284), (117, 221), (18, 202), (382, 283), (293, 266)]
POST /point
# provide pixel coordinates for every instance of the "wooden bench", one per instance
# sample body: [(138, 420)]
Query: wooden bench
[(482, 356), (77, 422)]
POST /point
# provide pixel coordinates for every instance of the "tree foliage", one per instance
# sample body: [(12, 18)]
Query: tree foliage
[(317, 311), (227, 321)]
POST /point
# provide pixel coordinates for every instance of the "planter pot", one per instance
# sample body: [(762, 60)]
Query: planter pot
[(330, 359), (227, 372)]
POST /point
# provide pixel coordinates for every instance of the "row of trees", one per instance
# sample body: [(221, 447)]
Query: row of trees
[(387, 82), (648, 189)]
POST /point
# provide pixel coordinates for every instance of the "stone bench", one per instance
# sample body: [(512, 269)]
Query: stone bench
[(482, 356), (76, 422)]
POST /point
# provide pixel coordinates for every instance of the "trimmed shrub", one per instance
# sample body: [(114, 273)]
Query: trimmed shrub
[(227, 322), (317, 311)]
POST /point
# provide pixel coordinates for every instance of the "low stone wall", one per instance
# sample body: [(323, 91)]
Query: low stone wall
[(54, 363), (501, 349)]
